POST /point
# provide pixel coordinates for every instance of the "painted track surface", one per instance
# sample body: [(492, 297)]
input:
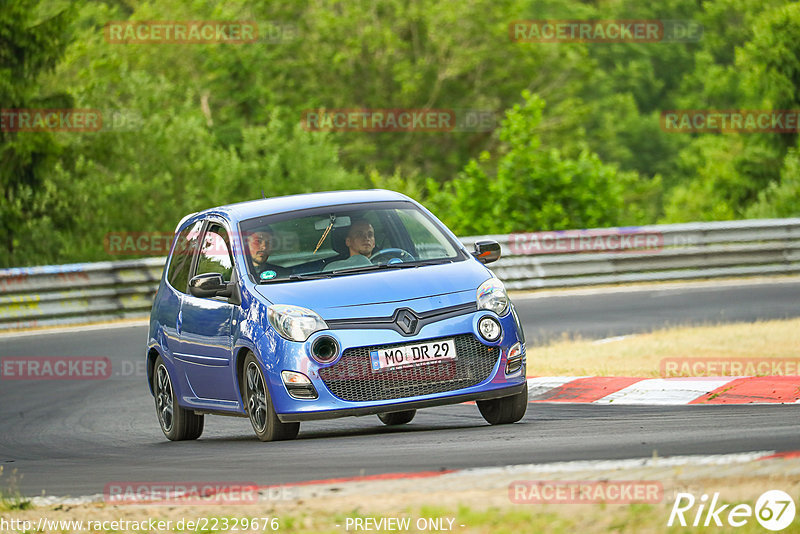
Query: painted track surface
[(72, 438)]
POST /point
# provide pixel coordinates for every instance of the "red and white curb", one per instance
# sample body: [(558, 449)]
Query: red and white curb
[(665, 391)]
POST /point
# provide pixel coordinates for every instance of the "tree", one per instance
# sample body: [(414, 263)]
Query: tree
[(535, 188), (771, 61), (30, 45), (729, 175), (781, 198)]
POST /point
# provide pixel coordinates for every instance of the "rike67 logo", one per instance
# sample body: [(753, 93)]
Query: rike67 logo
[(774, 510)]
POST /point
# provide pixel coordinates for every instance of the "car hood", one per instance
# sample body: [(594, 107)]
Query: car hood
[(379, 293)]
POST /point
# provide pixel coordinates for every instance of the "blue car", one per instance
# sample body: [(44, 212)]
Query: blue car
[(327, 305)]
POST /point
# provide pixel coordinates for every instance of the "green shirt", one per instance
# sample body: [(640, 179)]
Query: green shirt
[(356, 260)]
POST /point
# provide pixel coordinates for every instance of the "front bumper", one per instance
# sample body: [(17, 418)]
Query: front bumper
[(493, 382), (439, 400)]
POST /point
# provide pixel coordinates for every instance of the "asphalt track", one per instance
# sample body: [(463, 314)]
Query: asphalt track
[(74, 437)]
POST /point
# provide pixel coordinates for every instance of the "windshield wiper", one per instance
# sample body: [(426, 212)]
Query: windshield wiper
[(309, 276), (295, 277), (423, 263), (362, 269), (398, 265)]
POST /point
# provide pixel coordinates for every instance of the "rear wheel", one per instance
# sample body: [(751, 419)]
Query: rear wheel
[(397, 418), (177, 423), (505, 409), (259, 405)]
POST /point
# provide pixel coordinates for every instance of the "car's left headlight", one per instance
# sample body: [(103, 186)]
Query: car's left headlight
[(293, 322), (492, 296)]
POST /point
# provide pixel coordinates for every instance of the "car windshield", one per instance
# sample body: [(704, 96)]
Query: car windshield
[(340, 240)]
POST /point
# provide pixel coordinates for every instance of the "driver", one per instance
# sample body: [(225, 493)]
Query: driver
[(260, 245), (360, 238), (360, 242)]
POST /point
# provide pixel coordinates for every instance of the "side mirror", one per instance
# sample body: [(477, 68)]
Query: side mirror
[(209, 285), (487, 251)]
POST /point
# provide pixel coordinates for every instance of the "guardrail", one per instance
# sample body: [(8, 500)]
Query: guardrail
[(78, 292), (47, 295), (684, 251)]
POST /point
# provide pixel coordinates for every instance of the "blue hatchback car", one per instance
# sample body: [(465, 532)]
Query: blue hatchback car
[(327, 305)]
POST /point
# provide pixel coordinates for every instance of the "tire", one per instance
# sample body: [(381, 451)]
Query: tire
[(259, 406), (397, 418), (505, 410), (176, 423)]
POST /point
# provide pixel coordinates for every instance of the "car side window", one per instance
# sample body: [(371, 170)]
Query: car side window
[(181, 260), (215, 253)]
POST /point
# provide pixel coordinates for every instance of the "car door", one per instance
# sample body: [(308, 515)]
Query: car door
[(207, 324), (168, 308)]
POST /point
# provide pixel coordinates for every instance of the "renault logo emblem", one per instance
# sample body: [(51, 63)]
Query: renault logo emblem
[(407, 320)]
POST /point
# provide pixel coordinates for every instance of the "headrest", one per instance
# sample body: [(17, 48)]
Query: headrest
[(338, 237)]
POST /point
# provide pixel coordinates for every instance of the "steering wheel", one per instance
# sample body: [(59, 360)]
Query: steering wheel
[(389, 254)]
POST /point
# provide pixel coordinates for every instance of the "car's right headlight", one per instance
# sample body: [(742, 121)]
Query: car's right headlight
[(492, 296), (293, 322)]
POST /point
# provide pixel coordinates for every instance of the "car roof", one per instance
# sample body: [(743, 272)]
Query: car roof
[(270, 206)]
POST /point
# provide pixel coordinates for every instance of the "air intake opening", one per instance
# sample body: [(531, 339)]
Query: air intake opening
[(513, 366)]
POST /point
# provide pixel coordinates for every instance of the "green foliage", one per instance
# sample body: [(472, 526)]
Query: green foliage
[(772, 57), (730, 176), (189, 170), (726, 172), (10, 497), (30, 45), (772, 63), (780, 198), (209, 124), (531, 187)]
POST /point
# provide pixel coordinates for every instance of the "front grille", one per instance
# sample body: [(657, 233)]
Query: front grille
[(352, 378)]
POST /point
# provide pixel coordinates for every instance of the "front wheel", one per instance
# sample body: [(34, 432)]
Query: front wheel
[(177, 423), (505, 410), (397, 418), (259, 406)]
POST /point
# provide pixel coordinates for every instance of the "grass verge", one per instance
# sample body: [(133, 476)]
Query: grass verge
[(472, 510), (641, 354), (10, 497)]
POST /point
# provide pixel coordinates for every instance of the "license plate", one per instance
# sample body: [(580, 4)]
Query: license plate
[(413, 355)]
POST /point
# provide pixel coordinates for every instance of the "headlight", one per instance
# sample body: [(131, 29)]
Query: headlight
[(293, 322), (489, 328), (492, 296)]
